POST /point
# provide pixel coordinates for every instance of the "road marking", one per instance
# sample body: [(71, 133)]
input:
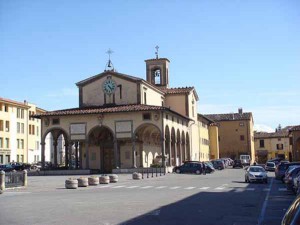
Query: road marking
[(282, 189), (266, 189), (189, 188), (19, 192), (220, 188), (132, 187), (104, 186), (250, 189), (154, 213), (160, 187), (173, 188), (146, 187), (263, 211), (118, 186), (204, 188)]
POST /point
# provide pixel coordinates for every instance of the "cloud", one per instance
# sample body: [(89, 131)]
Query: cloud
[(64, 93), (263, 127)]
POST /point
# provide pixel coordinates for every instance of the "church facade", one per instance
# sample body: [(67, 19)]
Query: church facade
[(127, 122)]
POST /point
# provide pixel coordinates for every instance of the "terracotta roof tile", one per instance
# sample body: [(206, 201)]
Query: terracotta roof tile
[(229, 116), (102, 109), (179, 90), (14, 102), (295, 128)]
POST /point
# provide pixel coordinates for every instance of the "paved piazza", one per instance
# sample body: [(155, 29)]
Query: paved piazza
[(219, 198)]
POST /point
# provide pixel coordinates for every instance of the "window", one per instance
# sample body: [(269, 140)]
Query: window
[(261, 143), (279, 146), (18, 113), (18, 158), (156, 74), (37, 131), (146, 116), (1, 106), (242, 137), (37, 145), (1, 125), (22, 144), (18, 128), (33, 129), (22, 158), (291, 140), (18, 143), (22, 113), (193, 111), (55, 121), (162, 103), (167, 116), (145, 98), (7, 142), (1, 142), (6, 108), (22, 128), (29, 129), (7, 126), (1, 159)]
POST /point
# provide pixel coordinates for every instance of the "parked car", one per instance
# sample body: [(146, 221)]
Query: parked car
[(256, 173), (270, 166), (189, 167), (6, 168), (281, 169), (292, 215), (237, 163), (289, 177), (218, 164), (209, 168)]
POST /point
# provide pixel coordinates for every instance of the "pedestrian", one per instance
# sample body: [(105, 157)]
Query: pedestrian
[(204, 168)]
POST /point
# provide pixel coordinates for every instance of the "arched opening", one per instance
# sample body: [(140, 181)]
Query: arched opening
[(183, 146), (179, 150), (188, 150), (156, 76), (55, 149), (167, 145), (101, 149), (148, 145), (173, 146)]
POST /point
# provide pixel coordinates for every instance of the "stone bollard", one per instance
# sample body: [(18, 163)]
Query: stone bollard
[(136, 176), (83, 182), (71, 183), (93, 180), (104, 179), (113, 178), (25, 178), (2, 181)]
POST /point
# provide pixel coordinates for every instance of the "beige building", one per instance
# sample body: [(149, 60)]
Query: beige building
[(19, 133), (126, 122), (273, 145), (294, 135), (235, 134)]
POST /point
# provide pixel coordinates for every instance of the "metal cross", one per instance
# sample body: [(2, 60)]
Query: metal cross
[(109, 52), (156, 53)]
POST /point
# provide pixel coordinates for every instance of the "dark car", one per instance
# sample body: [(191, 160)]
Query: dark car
[(209, 168), (281, 169), (270, 166), (292, 215), (289, 177), (6, 168), (237, 163), (189, 167), (218, 164)]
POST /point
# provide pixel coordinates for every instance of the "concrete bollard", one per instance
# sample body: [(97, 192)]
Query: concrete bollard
[(104, 179), (25, 178), (83, 182), (93, 180), (136, 176), (2, 181), (113, 178), (71, 183)]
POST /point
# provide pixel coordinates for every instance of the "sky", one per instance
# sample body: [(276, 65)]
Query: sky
[(236, 53)]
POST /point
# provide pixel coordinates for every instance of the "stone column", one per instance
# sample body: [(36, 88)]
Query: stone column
[(80, 155), (116, 154), (25, 178), (67, 154), (87, 158), (70, 154), (163, 151), (76, 155), (2, 181), (170, 153), (43, 154), (175, 150), (133, 154), (55, 153)]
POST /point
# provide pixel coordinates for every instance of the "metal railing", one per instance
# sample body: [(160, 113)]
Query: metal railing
[(151, 172), (12, 179)]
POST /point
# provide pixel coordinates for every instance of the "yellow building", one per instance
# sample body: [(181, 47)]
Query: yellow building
[(125, 122), (235, 134), (19, 134), (273, 145)]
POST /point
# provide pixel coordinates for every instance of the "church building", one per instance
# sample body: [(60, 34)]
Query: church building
[(125, 122)]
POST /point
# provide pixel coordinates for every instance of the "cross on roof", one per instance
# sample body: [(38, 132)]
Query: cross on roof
[(109, 52)]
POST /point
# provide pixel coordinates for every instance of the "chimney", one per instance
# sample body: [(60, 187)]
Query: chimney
[(240, 110), (25, 102)]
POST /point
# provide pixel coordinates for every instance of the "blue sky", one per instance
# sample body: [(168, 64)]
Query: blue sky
[(236, 53)]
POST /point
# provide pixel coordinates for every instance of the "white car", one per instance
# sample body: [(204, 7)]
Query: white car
[(256, 173)]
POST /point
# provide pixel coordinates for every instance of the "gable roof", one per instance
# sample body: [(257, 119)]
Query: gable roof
[(229, 116), (105, 73), (179, 90)]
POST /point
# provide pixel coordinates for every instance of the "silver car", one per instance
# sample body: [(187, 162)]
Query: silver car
[(256, 173)]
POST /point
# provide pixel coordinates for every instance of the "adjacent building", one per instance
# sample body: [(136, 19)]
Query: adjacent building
[(235, 134), (20, 134), (294, 134), (273, 145)]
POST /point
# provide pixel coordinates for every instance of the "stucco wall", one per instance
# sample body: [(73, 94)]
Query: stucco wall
[(214, 142), (153, 97), (176, 103)]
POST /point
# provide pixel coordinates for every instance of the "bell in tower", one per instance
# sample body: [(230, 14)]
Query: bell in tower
[(157, 71)]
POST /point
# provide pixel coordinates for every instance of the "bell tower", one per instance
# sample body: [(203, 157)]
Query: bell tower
[(157, 71)]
